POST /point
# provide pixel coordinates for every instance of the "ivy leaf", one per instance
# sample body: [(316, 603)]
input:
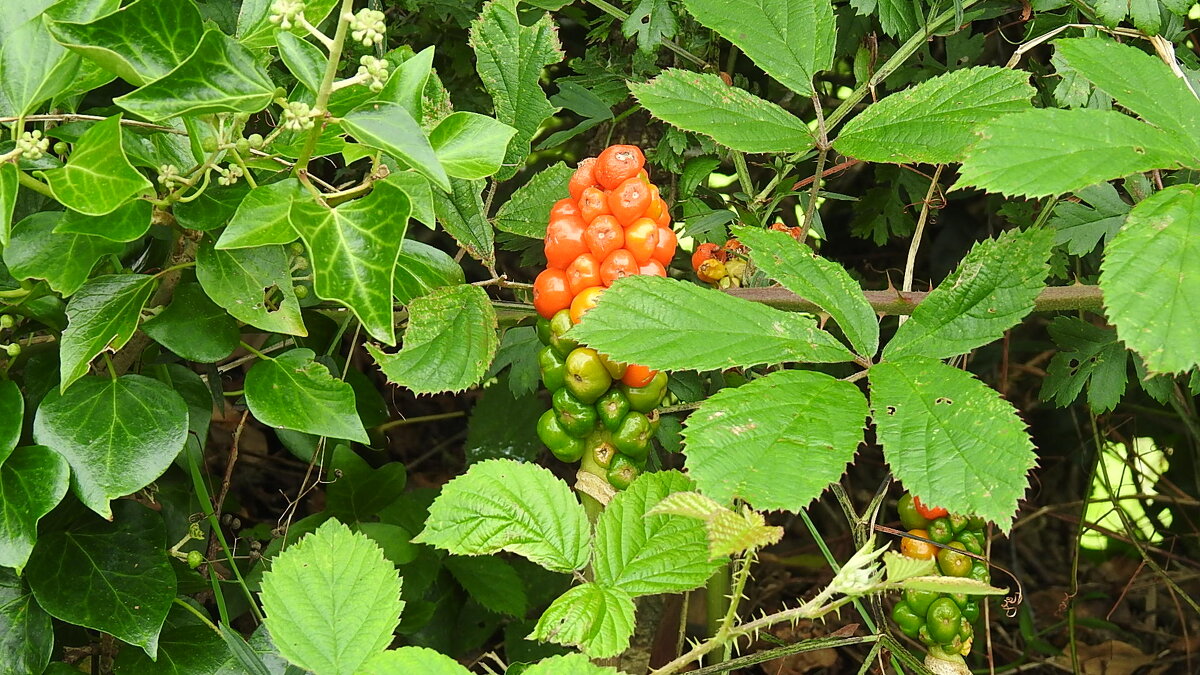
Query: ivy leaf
[(733, 117), (644, 554), (219, 76), (253, 285), (331, 600), (461, 213), (569, 664), (26, 634), (596, 619), (194, 327), (81, 574), (118, 435), (128, 222), (490, 581), (63, 260), (670, 325), (950, 438), (304, 59), (98, 177), (528, 210), (354, 250), (293, 391), (101, 316), (411, 660), (791, 41), (12, 417), (822, 281), (390, 128), (1080, 226), (502, 505), (141, 43), (991, 291), (35, 67), (254, 27), (213, 208), (262, 217), (186, 646), (1072, 150), (1151, 283), (795, 431), (469, 145), (1138, 81), (406, 85), (33, 480), (935, 122), (650, 21), (510, 57), (1087, 355), (450, 341), (9, 182), (421, 268), (503, 424)]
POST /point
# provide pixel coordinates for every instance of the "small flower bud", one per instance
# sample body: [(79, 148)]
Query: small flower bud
[(285, 13), (32, 145), (368, 27)]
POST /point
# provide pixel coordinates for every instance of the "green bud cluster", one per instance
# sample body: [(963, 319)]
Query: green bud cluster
[(595, 418)]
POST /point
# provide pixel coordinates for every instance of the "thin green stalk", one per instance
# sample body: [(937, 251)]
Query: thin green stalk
[(34, 184), (255, 352), (418, 420), (822, 151), (199, 615), (743, 172), (326, 87)]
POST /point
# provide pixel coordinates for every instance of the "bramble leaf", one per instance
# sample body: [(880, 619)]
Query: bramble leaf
[(1151, 279), (411, 660), (503, 505), (992, 289), (596, 619), (528, 210), (293, 391), (1080, 226), (461, 213), (674, 325), (569, 664), (331, 600), (950, 439), (795, 431), (490, 581), (1087, 355)]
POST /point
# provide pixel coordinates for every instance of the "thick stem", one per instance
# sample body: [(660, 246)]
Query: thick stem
[(894, 302), (322, 103)]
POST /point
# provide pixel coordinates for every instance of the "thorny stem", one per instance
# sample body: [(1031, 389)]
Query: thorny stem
[(894, 302), (326, 88), (743, 172), (822, 151)]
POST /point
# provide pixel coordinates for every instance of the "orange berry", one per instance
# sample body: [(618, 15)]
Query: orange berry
[(564, 241), (704, 252), (603, 236), (583, 273), (664, 252), (620, 263), (915, 548), (652, 269), (584, 177), (585, 301), (564, 207), (551, 292), (593, 202), (629, 200), (617, 164), (641, 238)]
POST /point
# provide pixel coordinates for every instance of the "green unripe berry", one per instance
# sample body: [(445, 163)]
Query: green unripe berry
[(195, 559), (60, 148), (301, 291), (13, 350), (242, 145), (256, 140), (6, 321)]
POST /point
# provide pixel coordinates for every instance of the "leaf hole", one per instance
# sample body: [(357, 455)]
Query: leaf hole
[(272, 298), (891, 410), (942, 400)]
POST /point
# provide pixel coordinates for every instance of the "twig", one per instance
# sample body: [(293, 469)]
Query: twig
[(822, 151), (894, 302)]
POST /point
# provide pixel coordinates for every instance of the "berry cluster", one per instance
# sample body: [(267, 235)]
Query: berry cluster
[(942, 621), (725, 266), (615, 224)]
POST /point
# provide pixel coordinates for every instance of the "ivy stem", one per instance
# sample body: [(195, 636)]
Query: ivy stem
[(419, 420), (198, 613), (911, 261), (326, 88), (34, 184), (252, 350), (822, 150)]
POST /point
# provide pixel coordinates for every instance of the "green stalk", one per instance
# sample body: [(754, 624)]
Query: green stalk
[(326, 88)]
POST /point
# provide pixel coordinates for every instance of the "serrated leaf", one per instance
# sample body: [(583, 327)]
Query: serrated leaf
[(1151, 283), (935, 122), (263, 216), (421, 268), (118, 435), (355, 247), (407, 660), (674, 325), (141, 43), (390, 128), (1087, 355), (469, 145), (950, 438), (596, 619), (33, 480), (643, 554), (688, 503), (331, 600), (491, 582), (794, 431), (461, 214), (81, 574), (98, 177), (528, 210), (194, 327), (732, 533), (519, 347), (791, 41), (733, 117), (948, 584), (1072, 150), (510, 57), (26, 633), (1080, 226), (992, 289), (128, 222), (219, 76), (826, 283), (502, 505), (651, 21), (569, 664), (101, 316), (304, 59), (1138, 81), (450, 341), (900, 567), (63, 260), (293, 391), (253, 284)]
